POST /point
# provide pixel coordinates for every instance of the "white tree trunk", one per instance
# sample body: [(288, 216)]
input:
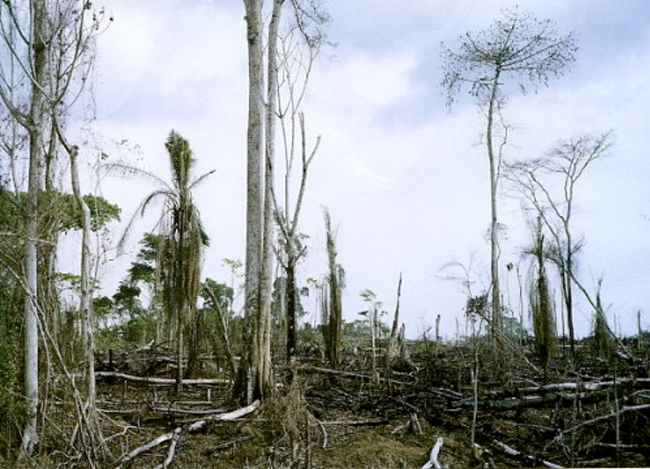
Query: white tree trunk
[(266, 280), (36, 115), (85, 306)]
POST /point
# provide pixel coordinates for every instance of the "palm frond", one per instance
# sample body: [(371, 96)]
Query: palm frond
[(201, 178), (127, 170)]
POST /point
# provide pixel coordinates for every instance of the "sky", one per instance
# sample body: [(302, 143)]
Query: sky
[(404, 177)]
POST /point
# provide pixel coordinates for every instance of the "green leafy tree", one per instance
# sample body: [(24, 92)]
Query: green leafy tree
[(217, 300)]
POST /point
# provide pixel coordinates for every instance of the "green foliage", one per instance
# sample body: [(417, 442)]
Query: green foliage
[(126, 300), (11, 313), (103, 306), (477, 306), (221, 291), (310, 341), (67, 281), (11, 217), (69, 214)]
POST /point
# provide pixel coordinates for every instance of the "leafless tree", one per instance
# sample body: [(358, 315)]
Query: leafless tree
[(297, 53), (549, 184)]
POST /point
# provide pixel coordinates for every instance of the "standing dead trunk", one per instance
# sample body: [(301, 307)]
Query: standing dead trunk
[(291, 308), (85, 303), (392, 350)]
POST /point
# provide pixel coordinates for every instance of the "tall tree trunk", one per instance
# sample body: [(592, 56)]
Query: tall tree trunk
[(497, 320), (255, 198), (179, 351), (266, 281), (35, 124)]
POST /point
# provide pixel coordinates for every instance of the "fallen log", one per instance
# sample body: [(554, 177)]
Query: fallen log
[(527, 458), (347, 374), (176, 433), (229, 444), (611, 415), (171, 452), (587, 386), (514, 403), (160, 381), (357, 423), (170, 410)]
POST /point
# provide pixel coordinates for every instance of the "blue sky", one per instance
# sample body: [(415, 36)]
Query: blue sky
[(404, 177)]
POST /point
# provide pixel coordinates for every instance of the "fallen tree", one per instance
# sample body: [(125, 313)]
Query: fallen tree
[(160, 381), (175, 435)]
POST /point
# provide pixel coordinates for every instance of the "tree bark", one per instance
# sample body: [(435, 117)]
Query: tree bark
[(35, 126), (85, 305), (497, 326), (265, 384), (253, 375)]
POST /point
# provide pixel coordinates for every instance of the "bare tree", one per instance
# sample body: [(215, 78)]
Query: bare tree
[(518, 49), (548, 184), (297, 52), (293, 248)]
